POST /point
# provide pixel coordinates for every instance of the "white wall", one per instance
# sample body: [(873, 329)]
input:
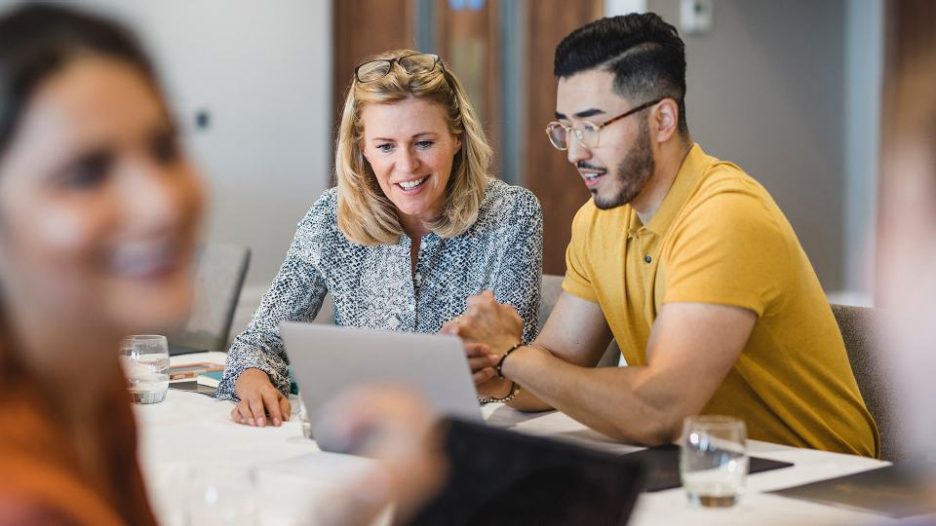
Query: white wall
[(864, 73), (766, 90)]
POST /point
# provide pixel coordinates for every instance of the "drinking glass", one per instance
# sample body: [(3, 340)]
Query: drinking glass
[(713, 461), (300, 413), (145, 360)]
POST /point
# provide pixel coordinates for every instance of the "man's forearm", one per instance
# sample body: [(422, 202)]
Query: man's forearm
[(623, 403)]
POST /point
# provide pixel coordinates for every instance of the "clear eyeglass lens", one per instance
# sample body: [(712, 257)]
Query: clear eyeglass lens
[(557, 136), (587, 136), (418, 63), (374, 70)]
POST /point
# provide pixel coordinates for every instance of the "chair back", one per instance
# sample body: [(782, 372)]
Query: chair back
[(219, 277), (857, 325), (550, 290)]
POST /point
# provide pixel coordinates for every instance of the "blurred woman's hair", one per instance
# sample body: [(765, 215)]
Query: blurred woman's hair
[(365, 215), (38, 40)]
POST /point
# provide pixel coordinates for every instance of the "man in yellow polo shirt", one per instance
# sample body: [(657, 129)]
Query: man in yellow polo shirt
[(684, 259)]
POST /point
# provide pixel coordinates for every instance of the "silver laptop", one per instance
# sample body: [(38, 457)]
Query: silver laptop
[(327, 360)]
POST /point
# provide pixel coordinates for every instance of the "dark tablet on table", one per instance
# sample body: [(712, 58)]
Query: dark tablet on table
[(499, 477)]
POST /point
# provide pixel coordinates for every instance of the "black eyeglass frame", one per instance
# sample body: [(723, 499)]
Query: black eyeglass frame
[(579, 134), (436, 63)]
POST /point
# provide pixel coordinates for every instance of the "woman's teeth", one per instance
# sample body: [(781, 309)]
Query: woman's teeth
[(144, 260), (409, 185)]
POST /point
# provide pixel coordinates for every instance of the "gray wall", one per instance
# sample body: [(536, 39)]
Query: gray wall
[(766, 91), (864, 73)]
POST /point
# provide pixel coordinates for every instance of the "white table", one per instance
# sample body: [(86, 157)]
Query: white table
[(190, 429)]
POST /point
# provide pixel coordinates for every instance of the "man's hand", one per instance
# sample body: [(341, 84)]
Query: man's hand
[(258, 399), (488, 322), (482, 362)]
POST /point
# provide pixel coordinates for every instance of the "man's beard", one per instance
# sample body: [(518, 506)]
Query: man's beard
[(632, 172)]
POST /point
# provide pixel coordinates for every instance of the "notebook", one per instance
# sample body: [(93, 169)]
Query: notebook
[(898, 491), (663, 466)]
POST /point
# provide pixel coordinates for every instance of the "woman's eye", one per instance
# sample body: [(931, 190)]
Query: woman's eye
[(424, 145), (385, 147), (88, 172)]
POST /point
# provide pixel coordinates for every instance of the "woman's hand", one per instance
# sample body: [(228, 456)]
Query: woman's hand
[(258, 400)]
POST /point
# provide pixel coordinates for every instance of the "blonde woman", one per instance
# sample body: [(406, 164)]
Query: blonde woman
[(415, 226)]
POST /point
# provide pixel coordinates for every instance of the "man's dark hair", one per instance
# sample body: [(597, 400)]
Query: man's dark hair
[(38, 40), (645, 54)]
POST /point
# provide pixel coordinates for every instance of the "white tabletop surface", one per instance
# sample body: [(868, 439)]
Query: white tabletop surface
[(190, 431)]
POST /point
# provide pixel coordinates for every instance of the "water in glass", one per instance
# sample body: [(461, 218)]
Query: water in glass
[(713, 461), (146, 363)]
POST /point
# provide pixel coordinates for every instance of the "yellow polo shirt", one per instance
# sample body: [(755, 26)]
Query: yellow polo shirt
[(718, 237)]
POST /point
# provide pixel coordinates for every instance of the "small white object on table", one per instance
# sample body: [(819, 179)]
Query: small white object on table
[(190, 429)]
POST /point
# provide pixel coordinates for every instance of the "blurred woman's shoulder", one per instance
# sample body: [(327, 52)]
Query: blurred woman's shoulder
[(37, 462)]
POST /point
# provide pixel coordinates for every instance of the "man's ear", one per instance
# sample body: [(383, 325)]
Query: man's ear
[(666, 119)]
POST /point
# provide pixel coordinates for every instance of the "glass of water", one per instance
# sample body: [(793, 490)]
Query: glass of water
[(145, 360), (713, 461)]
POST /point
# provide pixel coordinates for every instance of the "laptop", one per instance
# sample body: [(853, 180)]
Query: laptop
[(327, 360)]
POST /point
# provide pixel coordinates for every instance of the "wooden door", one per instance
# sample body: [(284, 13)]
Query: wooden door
[(547, 172), (468, 40), (362, 28)]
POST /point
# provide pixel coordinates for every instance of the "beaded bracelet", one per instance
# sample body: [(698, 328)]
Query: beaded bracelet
[(514, 391), (500, 363)]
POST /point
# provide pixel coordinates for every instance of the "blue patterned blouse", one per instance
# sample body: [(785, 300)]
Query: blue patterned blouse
[(374, 287)]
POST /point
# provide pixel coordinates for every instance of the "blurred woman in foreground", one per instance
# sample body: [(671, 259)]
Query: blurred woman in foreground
[(98, 215)]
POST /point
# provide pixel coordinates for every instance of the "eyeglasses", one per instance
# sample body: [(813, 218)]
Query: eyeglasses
[(417, 63), (587, 133)]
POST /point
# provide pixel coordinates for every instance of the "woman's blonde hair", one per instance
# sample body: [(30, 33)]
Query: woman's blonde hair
[(365, 215)]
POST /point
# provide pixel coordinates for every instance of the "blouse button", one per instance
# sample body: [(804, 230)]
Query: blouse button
[(647, 259), (418, 278)]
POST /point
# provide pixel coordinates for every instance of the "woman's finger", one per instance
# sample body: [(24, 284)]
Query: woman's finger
[(257, 411), (271, 405), (242, 410), (483, 375), (477, 350), (476, 364), (285, 406)]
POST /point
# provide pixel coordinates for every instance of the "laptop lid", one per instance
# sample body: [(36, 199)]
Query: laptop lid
[(327, 360)]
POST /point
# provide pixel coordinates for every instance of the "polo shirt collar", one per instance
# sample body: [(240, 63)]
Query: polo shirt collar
[(693, 166)]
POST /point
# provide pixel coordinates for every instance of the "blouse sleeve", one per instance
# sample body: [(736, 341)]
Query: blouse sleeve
[(518, 281), (296, 294)]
